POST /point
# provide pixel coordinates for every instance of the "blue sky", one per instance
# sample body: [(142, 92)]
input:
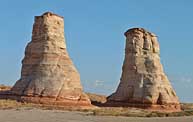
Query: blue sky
[(94, 33)]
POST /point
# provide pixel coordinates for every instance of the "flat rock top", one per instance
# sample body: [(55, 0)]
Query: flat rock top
[(134, 30), (50, 14)]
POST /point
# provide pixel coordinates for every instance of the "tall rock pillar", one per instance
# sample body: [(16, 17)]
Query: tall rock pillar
[(143, 81), (48, 74)]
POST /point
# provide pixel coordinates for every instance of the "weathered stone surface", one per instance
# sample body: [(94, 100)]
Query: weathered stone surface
[(143, 80), (47, 70)]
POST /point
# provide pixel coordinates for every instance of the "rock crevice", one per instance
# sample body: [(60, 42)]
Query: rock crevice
[(143, 80), (47, 70)]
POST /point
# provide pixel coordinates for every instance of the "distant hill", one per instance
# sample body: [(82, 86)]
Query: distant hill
[(95, 98), (4, 87)]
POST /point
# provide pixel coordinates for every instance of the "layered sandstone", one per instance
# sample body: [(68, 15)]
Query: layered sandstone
[(48, 75), (143, 81)]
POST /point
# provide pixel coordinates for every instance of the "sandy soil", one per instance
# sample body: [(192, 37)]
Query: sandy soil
[(36, 115)]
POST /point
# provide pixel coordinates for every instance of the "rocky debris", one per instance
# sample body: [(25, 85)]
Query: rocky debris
[(48, 75), (143, 81)]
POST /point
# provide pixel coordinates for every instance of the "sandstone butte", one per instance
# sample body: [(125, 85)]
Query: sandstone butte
[(48, 75), (143, 82)]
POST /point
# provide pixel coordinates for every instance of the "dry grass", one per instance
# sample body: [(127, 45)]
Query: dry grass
[(132, 112), (102, 111), (187, 108), (12, 104)]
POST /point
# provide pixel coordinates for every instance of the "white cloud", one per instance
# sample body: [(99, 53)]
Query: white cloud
[(99, 83), (181, 79)]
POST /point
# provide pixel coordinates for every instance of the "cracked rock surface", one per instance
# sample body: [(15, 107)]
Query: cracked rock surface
[(47, 70), (143, 80)]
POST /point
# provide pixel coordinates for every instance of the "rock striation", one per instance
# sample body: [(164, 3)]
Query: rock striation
[(48, 75), (143, 82)]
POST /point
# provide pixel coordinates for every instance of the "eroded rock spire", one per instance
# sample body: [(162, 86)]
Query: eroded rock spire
[(48, 74), (143, 81)]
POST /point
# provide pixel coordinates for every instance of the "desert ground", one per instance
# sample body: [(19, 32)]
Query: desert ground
[(37, 115), (13, 111)]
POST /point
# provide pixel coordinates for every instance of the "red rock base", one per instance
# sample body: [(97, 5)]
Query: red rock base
[(81, 103), (151, 107)]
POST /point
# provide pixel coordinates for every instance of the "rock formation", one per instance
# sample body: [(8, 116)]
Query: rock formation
[(143, 81), (48, 75)]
